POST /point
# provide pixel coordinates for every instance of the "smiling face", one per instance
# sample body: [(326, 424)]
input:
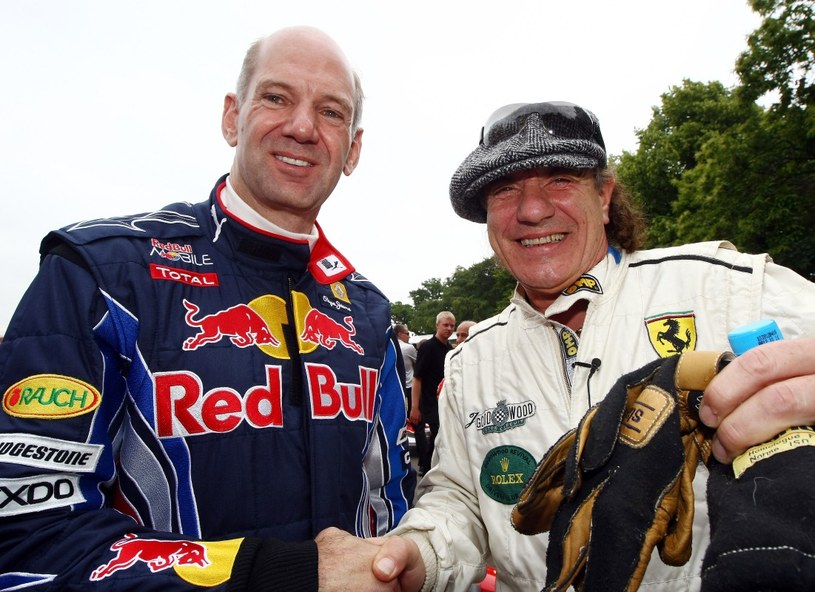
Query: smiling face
[(292, 131), (547, 227)]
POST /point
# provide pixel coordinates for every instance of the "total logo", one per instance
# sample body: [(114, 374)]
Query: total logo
[(260, 323)]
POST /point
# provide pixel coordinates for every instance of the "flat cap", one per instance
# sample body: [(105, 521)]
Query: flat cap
[(526, 136)]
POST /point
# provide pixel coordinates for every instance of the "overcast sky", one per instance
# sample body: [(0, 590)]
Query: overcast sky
[(113, 107)]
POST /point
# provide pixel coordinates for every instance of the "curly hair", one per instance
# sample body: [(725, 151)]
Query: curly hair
[(626, 224)]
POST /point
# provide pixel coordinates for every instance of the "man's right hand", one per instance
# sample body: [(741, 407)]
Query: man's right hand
[(399, 560), (347, 562)]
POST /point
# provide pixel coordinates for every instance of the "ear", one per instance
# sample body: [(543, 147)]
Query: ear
[(605, 198), (229, 119), (353, 153)]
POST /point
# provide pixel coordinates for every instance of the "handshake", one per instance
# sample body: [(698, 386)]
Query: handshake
[(620, 485)]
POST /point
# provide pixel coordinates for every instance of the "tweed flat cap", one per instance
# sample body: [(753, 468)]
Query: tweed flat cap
[(526, 136)]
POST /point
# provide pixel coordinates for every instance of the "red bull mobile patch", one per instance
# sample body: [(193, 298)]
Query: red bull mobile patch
[(50, 396)]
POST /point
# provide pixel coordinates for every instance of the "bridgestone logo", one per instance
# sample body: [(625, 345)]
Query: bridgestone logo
[(42, 492), (49, 453)]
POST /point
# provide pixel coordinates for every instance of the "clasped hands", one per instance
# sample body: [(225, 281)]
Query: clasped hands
[(347, 562)]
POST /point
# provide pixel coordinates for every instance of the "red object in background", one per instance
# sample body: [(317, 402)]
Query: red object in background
[(488, 583)]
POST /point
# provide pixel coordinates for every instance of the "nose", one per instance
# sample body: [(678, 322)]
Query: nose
[(301, 125), (534, 204)]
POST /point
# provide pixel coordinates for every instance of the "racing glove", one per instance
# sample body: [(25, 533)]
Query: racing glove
[(620, 484), (762, 523)]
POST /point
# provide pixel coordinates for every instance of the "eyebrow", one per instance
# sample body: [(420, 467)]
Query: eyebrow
[(265, 85)]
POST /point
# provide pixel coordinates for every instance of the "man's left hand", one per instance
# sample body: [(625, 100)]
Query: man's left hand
[(760, 394)]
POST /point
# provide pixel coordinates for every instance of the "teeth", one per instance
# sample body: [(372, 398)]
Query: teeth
[(293, 161), (544, 240)]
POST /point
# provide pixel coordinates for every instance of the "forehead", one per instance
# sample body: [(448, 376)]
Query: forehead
[(541, 172), (309, 65)]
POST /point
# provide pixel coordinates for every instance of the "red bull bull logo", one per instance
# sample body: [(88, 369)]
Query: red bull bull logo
[(321, 329), (243, 325), (157, 554)]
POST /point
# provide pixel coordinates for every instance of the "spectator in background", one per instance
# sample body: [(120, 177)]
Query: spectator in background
[(463, 331), (427, 375), (409, 354)]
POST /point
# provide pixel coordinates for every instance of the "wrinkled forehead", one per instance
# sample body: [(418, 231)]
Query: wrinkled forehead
[(288, 57)]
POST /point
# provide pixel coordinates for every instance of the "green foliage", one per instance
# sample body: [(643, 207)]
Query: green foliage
[(474, 293), (713, 164), (781, 53)]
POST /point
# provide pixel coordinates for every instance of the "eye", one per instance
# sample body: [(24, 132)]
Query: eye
[(273, 98), (500, 190)]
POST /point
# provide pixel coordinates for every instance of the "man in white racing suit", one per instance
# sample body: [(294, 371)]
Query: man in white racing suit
[(588, 308)]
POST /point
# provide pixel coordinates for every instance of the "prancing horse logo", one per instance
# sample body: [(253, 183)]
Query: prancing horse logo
[(672, 333)]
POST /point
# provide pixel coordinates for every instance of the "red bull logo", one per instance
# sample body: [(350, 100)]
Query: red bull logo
[(321, 329), (243, 325), (157, 554)]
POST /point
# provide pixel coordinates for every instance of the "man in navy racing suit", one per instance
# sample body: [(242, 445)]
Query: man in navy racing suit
[(209, 395)]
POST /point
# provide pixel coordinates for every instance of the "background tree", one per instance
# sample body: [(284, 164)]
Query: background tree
[(780, 58), (475, 293), (714, 164)]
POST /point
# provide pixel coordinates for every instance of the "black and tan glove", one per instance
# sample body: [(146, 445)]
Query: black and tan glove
[(620, 484)]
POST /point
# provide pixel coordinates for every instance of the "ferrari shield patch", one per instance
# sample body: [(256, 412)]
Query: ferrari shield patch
[(672, 333)]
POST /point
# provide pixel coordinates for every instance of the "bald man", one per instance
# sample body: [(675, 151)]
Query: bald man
[(207, 395)]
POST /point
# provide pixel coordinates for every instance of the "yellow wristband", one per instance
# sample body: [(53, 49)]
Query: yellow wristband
[(787, 440)]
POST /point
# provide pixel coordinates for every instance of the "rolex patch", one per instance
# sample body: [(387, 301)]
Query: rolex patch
[(505, 471)]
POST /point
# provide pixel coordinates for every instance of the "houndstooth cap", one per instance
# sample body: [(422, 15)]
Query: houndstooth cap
[(526, 136)]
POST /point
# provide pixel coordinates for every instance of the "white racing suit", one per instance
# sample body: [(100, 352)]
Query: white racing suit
[(513, 389)]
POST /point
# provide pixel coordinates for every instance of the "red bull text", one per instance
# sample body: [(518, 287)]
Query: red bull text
[(184, 409)]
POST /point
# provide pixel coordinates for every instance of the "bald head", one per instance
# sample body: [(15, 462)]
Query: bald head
[(294, 40)]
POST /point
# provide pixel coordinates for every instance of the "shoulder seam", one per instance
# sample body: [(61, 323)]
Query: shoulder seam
[(703, 259)]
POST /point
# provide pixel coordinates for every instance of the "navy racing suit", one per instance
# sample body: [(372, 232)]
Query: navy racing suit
[(188, 401)]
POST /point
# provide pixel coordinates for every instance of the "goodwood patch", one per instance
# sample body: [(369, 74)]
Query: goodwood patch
[(502, 417), (505, 471)]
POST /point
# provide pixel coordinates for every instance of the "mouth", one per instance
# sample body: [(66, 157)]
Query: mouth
[(543, 240), (293, 161)]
